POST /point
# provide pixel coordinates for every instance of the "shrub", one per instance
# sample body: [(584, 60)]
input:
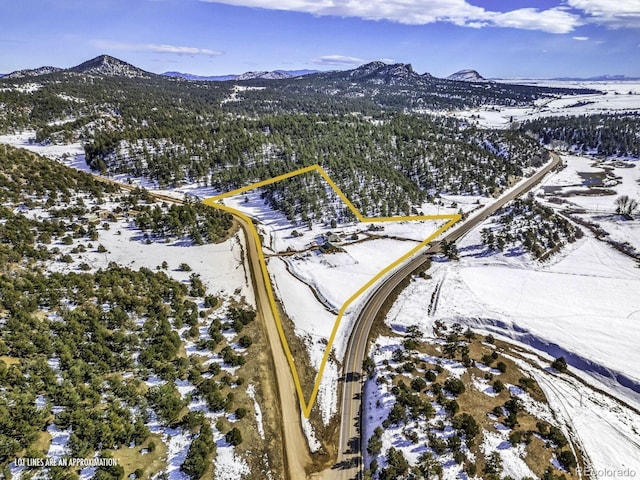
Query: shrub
[(430, 376), (234, 437), (557, 437), (375, 444), (210, 301), (567, 460), (418, 384), (527, 383), (487, 359), (515, 437), (454, 385), (498, 386), (466, 424), (184, 267), (559, 364), (501, 366)]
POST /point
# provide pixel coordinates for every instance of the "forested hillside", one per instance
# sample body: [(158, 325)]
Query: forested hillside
[(366, 127), (90, 357)]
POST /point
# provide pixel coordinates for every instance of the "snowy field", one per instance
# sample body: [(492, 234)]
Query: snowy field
[(591, 186), (221, 266), (583, 303), (619, 96)]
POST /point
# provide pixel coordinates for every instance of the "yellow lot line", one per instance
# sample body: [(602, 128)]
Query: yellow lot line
[(213, 202)]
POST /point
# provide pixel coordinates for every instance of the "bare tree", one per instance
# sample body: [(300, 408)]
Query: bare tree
[(626, 206)]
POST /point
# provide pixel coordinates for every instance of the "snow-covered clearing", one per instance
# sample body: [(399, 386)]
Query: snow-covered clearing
[(619, 96), (589, 188), (622, 96), (222, 267)]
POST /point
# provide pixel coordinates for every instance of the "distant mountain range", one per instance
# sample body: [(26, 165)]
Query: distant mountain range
[(273, 75), (107, 65), (600, 78), (374, 72)]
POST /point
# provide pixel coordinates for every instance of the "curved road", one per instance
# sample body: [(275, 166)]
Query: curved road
[(349, 462)]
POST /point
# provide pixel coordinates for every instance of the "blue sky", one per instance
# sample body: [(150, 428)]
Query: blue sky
[(499, 38)]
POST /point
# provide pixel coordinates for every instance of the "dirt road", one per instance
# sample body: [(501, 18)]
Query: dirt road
[(296, 452)]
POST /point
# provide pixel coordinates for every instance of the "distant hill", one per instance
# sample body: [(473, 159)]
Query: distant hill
[(34, 72), (276, 74), (263, 75), (110, 66), (200, 78), (467, 76), (103, 65), (383, 73)]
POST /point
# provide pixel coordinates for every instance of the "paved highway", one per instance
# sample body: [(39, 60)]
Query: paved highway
[(349, 461)]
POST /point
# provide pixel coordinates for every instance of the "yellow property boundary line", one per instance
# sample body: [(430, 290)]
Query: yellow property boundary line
[(213, 202)]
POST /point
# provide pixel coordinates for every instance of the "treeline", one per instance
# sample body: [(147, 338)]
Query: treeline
[(383, 165), (534, 227), (607, 135), (62, 96)]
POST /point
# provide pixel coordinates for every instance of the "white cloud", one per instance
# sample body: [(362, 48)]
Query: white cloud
[(156, 48), (611, 13), (554, 20), (422, 12), (343, 60), (338, 60), (581, 39)]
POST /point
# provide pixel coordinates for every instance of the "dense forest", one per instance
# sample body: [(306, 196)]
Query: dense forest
[(604, 134), (95, 352), (383, 166)]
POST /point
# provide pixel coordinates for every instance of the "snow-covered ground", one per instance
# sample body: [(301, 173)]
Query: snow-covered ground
[(619, 96), (592, 186), (222, 267), (582, 303), (313, 285), (380, 400)]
